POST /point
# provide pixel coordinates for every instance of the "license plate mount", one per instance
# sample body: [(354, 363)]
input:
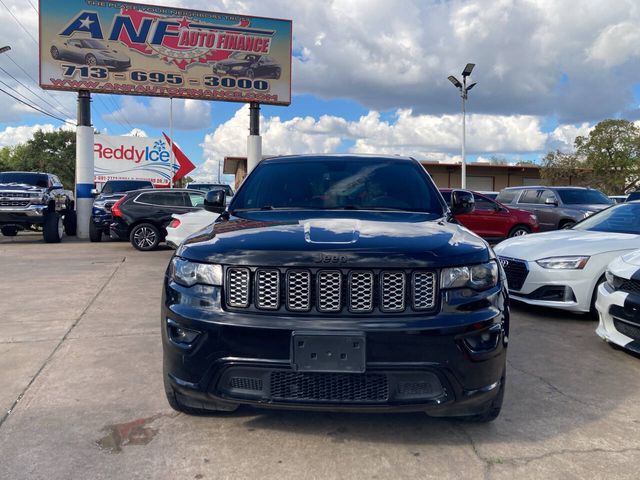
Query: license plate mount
[(339, 352)]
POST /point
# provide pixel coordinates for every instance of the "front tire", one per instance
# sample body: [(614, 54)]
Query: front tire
[(9, 231), (55, 53), (70, 223), (519, 231), (91, 60), (145, 237), (53, 227), (95, 234)]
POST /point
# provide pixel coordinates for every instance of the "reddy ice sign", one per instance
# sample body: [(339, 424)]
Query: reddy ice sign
[(138, 158), (136, 49)]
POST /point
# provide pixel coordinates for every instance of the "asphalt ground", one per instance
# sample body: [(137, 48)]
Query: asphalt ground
[(80, 373)]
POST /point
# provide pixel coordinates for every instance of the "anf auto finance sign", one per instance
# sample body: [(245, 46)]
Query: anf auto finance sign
[(138, 158), (136, 49)]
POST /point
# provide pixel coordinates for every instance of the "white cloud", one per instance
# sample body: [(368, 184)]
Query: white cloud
[(563, 136), (428, 137), (136, 132), (12, 136), (187, 114), (617, 44)]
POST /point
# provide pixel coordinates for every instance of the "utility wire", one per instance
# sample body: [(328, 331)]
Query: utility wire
[(35, 94), (36, 108), (37, 83), (119, 111), (26, 99), (34, 8), (18, 22)]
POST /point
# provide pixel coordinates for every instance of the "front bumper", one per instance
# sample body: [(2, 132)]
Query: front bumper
[(22, 215), (563, 289), (101, 219), (619, 311), (413, 363)]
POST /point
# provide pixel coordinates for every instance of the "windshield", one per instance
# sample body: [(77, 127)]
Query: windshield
[(125, 186), (243, 56), (623, 218), (321, 183), (583, 197), (205, 187), (34, 179), (94, 44)]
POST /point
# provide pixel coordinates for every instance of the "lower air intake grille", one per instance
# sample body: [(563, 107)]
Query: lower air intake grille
[(329, 387), (246, 383), (628, 330)]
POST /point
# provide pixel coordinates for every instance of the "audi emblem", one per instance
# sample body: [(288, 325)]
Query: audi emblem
[(504, 262)]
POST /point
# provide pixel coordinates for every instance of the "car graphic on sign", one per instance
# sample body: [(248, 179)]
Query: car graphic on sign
[(251, 65), (90, 52)]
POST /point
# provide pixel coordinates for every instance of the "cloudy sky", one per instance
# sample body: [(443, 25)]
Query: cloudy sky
[(371, 76)]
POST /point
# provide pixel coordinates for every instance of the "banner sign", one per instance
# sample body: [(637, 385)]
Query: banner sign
[(135, 49), (138, 158)]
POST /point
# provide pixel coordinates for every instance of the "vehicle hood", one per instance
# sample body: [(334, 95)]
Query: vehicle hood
[(21, 187), (110, 196), (565, 242), (203, 217), (112, 54), (632, 258), (368, 241), (594, 207)]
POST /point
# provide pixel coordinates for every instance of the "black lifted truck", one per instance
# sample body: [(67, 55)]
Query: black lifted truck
[(36, 201), (336, 283)]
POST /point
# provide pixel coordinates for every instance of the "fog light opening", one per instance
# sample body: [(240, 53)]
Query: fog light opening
[(483, 342), (181, 335)]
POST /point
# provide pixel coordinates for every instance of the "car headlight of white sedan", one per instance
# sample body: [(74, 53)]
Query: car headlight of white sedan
[(563, 263)]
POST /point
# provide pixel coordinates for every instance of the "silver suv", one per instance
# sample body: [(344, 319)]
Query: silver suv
[(555, 207)]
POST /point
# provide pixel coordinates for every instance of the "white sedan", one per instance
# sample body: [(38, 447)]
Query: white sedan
[(618, 303), (187, 224), (563, 269)]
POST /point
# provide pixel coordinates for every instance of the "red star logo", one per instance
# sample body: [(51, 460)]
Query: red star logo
[(184, 23)]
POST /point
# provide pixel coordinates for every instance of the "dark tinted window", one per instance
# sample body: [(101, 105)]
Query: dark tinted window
[(339, 183), (507, 196), (583, 197), (623, 218), (633, 196), (172, 199), (529, 196), (34, 179), (483, 203), (114, 186), (447, 197), (205, 187)]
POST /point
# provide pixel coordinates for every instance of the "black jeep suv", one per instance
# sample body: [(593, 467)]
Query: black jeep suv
[(336, 283)]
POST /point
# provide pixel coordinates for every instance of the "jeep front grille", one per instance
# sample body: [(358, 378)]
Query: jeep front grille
[(331, 291)]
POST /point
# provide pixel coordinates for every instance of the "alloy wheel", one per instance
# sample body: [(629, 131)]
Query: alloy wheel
[(144, 237)]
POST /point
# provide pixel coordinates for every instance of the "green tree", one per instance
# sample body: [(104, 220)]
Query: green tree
[(612, 151), (52, 152), (183, 181), (560, 168)]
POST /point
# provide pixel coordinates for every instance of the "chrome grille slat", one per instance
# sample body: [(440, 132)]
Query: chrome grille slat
[(298, 290), (238, 287), (329, 291), (268, 289), (392, 291), (332, 291), (361, 292), (424, 290)]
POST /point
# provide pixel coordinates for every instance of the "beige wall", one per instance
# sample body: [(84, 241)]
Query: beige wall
[(448, 176)]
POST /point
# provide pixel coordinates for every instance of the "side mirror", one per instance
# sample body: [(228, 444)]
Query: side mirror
[(462, 202), (551, 201), (214, 201)]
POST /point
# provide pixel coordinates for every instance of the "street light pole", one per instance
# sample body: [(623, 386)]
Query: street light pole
[(464, 89)]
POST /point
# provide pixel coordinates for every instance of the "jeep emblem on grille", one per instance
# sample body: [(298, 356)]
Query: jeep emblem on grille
[(325, 258), (504, 262)]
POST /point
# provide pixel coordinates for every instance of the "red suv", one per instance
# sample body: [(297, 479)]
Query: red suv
[(493, 221)]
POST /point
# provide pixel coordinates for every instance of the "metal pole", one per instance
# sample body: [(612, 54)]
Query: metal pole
[(171, 139), (254, 141), (84, 164), (464, 139)]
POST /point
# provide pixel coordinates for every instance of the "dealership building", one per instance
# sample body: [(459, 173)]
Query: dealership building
[(480, 176)]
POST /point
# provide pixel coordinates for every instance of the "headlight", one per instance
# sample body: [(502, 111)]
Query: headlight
[(614, 281), (563, 263), (477, 277), (189, 273)]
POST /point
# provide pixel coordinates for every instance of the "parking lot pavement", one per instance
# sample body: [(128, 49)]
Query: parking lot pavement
[(80, 348)]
